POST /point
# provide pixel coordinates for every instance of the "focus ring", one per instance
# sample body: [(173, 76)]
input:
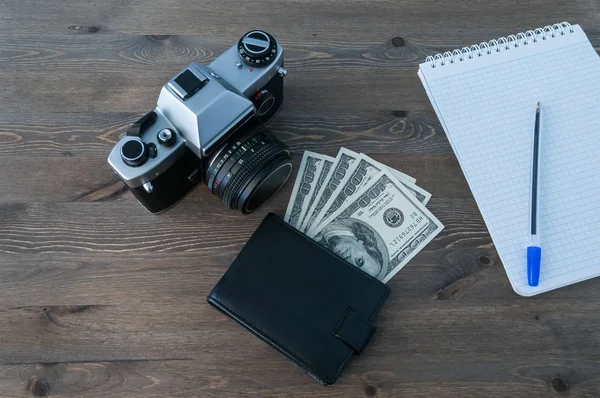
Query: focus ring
[(217, 173), (261, 156)]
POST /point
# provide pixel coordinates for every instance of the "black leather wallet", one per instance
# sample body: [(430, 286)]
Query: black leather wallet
[(301, 299)]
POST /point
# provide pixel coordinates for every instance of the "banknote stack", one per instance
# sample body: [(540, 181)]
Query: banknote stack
[(367, 213)]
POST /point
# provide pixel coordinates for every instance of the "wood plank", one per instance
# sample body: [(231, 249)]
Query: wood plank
[(463, 265), (408, 378), (93, 134), (161, 330), (459, 266), (137, 91), (127, 53), (91, 332), (118, 78), (191, 226), (294, 18), (87, 178)]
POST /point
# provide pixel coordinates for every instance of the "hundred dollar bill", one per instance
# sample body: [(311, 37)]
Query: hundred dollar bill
[(380, 229), (339, 172), (315, 187), (400, 175), (363, 171), (422, 195), (309, 168), (358, 175)]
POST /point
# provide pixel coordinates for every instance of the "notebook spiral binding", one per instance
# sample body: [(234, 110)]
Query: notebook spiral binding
[(501, 44)]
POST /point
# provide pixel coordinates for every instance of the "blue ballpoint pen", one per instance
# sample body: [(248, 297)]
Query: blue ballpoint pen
[(534, 251)]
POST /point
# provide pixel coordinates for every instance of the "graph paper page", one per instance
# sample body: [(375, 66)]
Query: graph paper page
[(487, 108)]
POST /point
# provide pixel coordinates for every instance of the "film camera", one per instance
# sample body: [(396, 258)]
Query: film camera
[(208, 126)]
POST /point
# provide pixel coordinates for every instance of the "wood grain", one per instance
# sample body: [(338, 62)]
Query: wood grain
[(100, 298), (100, 183), (124, 53), (126, 73), (92, 135), (154, 378), (293, 18)]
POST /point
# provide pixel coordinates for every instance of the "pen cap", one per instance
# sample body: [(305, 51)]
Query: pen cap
[(534, 257)]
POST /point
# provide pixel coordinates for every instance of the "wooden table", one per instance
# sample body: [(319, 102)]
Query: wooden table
[(100, 298)]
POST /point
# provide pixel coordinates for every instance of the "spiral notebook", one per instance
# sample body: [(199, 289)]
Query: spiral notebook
[(485, 97)]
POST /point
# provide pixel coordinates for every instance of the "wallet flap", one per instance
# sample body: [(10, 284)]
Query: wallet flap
[(354, 331), (291, 292)]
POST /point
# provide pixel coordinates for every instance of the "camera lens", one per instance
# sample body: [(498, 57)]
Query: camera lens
[(245, 173), (261, 189)]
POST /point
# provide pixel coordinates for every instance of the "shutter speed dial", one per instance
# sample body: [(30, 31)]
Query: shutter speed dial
[(257, 48)]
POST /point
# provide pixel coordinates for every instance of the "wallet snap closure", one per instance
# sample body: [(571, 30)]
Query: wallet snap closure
[(354, 331)]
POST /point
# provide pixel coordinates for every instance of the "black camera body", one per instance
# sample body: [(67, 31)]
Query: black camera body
[(208, 126)]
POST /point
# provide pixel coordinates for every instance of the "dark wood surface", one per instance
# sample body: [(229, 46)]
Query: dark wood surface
[(99, 298)]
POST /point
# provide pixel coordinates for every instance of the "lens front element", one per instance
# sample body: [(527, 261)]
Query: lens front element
[(247, 172), (261, 189)]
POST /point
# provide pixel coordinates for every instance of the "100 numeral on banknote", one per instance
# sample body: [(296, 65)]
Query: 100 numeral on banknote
[(338, 173), (315, 189), (310, 167)]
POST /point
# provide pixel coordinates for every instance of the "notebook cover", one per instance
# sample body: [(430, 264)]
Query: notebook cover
[(301, 299)]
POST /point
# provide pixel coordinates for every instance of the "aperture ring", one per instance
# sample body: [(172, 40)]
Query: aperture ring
[(249, 168), (230, 157)]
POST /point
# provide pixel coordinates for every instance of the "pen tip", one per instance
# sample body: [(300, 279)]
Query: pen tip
[(538, 105)]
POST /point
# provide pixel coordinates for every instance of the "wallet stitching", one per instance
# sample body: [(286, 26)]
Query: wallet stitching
[(303, 362)]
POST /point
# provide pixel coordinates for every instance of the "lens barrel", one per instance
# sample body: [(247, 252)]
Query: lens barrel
[(245, 173)]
